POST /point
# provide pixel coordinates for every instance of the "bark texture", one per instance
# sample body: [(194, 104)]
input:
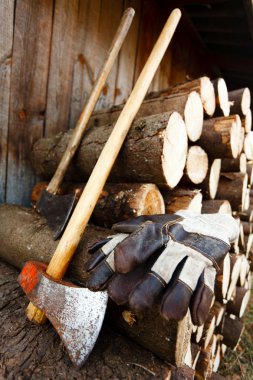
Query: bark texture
[(152, 153)]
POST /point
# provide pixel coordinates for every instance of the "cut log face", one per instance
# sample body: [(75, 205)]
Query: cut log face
[(223, 280), (248, 145), (182, 199), (211, 182), (155, 148), (235, 274), (216, 206), (196, 164), (221, 95), (220, 136), (240, 101), (247, 121), (193, 116)]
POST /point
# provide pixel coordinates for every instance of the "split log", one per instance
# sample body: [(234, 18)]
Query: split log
[(29, 351), (220, 136), (217, 311), (208, 331), (196, 166), (232, 331), (32, 239), (247, 121), (154, 152), (204, 364), (118, 201), (248, 145), (233, 186), (238, 305), (216, 359), (182, 199), (216, 206), (236, 261), (221, 97), (238, 164), (245, 268), (211, 182), (223, 279), (240, 101), (188, 105), (201, 85)]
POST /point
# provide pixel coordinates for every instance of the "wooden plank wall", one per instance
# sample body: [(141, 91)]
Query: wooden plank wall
[(50, 54)]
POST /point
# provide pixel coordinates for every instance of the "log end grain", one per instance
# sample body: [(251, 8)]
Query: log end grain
[(196, 164), (222, 93), (207, 95), (214, 177), (193, 116), (174, 150), (247, 121)]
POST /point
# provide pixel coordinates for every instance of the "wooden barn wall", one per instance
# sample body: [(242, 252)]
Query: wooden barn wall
[(50, 54)]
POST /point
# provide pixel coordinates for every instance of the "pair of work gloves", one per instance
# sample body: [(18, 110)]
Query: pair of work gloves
[(169, 261)]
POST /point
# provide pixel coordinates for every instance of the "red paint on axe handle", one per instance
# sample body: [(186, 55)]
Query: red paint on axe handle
[(29, 277)]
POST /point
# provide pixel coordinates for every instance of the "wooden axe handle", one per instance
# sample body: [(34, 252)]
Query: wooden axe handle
[(84, 208), (77, 135)]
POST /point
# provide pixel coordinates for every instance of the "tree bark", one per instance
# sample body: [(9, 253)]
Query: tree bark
[(248, 145), (238, 305), (220, 137), (221, 97), (238, 164), (31, 240), (232, 332), (118, 201), (182, 199), (216, 206), (201, 85), (232, 186), (188, 105), (240, 101), (29, 351), (154, 152)]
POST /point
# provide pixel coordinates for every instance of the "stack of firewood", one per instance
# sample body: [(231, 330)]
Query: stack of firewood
[(190, 147)]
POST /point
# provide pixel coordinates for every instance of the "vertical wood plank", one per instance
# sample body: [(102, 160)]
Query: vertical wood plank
[(61, 65), (86, 58), (31, 49), (6, 41), (127, 57)]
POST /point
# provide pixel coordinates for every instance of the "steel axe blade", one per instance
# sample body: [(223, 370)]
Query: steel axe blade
[(76, 313)]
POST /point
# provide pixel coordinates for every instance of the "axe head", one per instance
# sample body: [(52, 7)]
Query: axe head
[(76, 313), (57, 210)]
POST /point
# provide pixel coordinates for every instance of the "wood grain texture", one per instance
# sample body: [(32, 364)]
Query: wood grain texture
[(127, 57), (6, 42), (61, 65), (32, 34)]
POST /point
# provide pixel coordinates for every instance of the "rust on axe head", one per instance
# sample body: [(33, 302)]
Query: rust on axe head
[(76, 313), (57, 210)]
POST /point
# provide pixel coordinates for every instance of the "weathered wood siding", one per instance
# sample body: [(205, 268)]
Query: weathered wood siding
[(50, 54)]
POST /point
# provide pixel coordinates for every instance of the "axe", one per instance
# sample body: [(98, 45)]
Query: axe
[(57, 208), (38, 282)]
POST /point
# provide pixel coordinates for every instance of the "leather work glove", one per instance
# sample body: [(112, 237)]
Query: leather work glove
[(169, 260)]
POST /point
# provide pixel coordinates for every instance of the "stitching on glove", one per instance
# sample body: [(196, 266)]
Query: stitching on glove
[(187, 286), (161, 280)]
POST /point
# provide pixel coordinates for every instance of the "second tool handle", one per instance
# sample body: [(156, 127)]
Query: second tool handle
[(77, 135)]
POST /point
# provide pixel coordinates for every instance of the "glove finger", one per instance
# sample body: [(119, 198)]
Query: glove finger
[(147, 292), (121, 285), (131, 225), (176, 301), (104, 251), (100, 276), (202, 297)]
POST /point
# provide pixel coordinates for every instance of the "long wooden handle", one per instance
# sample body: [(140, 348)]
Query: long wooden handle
[(84, 208), (77, 135)]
